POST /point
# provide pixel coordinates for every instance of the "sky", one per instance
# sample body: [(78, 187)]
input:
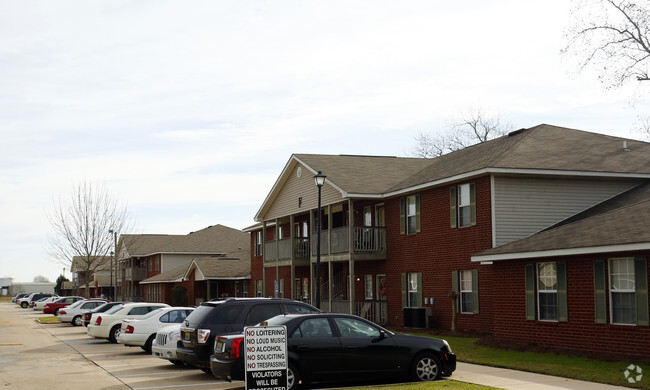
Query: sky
[(187, 111)]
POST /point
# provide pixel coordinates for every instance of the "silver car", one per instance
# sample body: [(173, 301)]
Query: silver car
[(164, 345), (74, 313)]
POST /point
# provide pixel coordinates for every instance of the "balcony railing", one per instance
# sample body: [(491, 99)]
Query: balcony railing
[(375, 311), (135, 273)]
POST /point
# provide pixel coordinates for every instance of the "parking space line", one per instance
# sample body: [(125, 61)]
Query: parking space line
[(176, 386)]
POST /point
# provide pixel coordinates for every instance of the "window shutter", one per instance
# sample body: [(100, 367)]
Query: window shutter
[(472, 200), (454, 287), (562, 302), (402, 216), (475, 290), (417, 213), (419, 298), (452, 207), (404, 289), (641, 287), (530, 292), (600, 293)]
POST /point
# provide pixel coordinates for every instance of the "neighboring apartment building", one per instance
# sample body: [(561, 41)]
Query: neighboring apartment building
[(97, 274), (399, 234), (200, 265)]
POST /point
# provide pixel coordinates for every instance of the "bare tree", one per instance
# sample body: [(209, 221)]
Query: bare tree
[(81, 225), (41, 279), (471, 128), (612, 36)]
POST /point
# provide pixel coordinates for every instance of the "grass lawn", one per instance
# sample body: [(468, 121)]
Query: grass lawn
[(563, 365)]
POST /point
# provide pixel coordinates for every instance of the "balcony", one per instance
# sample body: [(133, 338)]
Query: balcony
[(367, 242), (135, 273)]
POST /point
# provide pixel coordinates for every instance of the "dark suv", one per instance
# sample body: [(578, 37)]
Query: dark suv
[(227, 316)]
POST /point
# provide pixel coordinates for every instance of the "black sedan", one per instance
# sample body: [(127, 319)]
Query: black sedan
[(340, 347)]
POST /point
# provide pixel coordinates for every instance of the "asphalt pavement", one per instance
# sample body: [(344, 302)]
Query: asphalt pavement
[(33, 356)]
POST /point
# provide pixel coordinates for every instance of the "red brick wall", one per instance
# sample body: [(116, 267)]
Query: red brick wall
[(580, 332), (437, 251)]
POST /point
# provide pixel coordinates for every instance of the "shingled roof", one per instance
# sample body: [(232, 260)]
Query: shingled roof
[(544, 149), (616, 225), (213, 240), (207, 268)]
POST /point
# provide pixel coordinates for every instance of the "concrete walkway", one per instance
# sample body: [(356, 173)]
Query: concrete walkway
[(519, 380)]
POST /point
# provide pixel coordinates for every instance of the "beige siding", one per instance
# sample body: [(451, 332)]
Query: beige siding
[(172, 261), (287, 201), (523, 206)]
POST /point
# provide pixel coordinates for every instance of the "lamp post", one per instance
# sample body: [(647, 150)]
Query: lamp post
[(319, 178), (113, 255)]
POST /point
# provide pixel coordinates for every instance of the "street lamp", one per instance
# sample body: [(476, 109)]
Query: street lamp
[(114, 253), (319, 178)]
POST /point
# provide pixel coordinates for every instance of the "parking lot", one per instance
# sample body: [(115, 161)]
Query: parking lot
[(61, 356)]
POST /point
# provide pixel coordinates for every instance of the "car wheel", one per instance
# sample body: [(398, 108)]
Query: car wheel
[(293, 378), (115, 331), (176, 362), (56, 312), (426, 367), (206, 370), (77, 321), (147, 345), (24, 305)]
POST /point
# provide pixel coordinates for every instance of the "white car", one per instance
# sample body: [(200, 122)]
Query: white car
[(164, 345), (107, 325), (74, 313), (142, 331), (40, 304)]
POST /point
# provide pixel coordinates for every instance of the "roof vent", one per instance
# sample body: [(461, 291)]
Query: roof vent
[(510, 134), (625, 148)]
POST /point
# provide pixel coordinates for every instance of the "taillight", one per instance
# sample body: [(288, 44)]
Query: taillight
[(202, 336), (98, 321), (234, 348), (86, 316), (129, 329), (62, 312)]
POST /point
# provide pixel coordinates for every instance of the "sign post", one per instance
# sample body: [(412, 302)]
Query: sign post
[(266, 361)]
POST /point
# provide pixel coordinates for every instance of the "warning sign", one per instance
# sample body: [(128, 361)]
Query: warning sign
[(266, 357)]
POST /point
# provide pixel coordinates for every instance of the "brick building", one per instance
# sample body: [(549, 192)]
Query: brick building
[(399, 234)]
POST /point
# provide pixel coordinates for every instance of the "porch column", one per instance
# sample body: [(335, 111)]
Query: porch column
[(351, 245), (329, 230), (351, 286), (330, 269), (292, 238), (264, 259)]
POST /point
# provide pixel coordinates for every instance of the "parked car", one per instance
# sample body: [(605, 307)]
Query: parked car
[(87, 316), (54, 307), (40, 304), (73, 313), (227, 316), (331, 347), (18, 296), (165, 343), (107, 325), (142, 331), (26, 302)]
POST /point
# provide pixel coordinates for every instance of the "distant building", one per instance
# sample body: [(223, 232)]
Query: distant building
[(17, 288)]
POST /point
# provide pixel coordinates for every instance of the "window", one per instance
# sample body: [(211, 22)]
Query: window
[(157, 263), (280, 232), (245, 288), (462, 205), (258, 288), (547, 291), (412, 289), (263, 312), (367, 286), (258, 243), (622, 291), (313, 327), (150, 263), (410, 214), (466, 297), (350, 327)]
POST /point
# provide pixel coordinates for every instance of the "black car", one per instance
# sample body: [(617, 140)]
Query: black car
[(217, 317), (99, 309), (331, 347)]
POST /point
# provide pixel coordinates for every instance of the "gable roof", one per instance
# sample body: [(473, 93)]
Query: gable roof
[(213, 240), (98, 263), (615, 225), (209, 268), (542, 150)]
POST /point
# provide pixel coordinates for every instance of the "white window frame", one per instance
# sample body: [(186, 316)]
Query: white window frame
[(258, 243), (465, 284), (367, 287), (628, 280), (543, 288), (412, 288), (411, 214), (464, 205)]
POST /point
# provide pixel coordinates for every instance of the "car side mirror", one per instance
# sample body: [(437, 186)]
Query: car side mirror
[(382, 335)]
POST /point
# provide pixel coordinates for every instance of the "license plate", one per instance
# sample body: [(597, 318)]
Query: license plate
[(187, 336), (220, 346)]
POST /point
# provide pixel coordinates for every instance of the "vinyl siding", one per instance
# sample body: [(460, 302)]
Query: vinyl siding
[(287, 200), (523, 206)]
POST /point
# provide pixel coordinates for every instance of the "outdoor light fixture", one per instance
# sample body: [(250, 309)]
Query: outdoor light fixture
[(319, 178)]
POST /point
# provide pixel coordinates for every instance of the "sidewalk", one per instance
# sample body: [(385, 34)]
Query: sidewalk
[(518, 380)]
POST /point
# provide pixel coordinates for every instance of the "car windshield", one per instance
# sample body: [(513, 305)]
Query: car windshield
[(114, 309), (151, 314)]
